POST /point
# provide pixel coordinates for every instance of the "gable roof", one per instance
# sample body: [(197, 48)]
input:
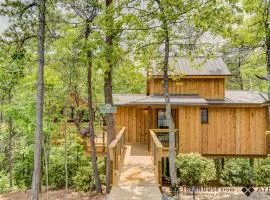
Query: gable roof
[(198, 67)]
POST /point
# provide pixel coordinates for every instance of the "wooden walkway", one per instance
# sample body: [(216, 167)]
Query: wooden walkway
[(137, 178)]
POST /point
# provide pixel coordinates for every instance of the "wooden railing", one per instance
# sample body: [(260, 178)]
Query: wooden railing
[(267, 134), (116, 149), (155, 148), (158, 146), (163, 136), (100, 138)]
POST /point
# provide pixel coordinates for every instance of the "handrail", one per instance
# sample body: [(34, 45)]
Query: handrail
[(155, 148), (167, 131), (267, 140), (116, 149)]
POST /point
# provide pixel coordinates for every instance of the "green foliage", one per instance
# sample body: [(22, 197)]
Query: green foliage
[(262, 172), (195, 169), (23, 167), (236, 172), (4, 187), (84, 177)]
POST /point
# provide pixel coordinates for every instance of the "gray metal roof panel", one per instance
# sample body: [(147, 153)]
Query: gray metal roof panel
[(199, 66), (132, 99), (241, 97), (231, 97)]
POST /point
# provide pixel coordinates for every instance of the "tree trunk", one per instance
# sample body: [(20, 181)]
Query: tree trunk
[(268, 73), (91, 122), (40, 101), (172, 153), (1, 111), (10, 128), (109, 99), (239, 74)]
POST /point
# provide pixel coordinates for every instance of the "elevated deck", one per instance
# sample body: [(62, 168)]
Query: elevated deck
[(136, 178)]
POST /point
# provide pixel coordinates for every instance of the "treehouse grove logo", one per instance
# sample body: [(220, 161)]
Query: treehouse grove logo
[(247, 190)]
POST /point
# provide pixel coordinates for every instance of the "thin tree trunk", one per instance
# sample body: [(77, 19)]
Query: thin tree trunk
[(109, 99), (40, 101), (1, 111), (66, 159), (172, 153), (10, 128), (168, 113), (239, 74), (91, 117), (268, 73)]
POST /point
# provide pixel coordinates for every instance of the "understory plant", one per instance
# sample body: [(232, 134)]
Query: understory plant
[(262, 172), (195, 169), (236, 172)]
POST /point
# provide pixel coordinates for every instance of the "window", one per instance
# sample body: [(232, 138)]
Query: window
[(204, 115), (162, 122)]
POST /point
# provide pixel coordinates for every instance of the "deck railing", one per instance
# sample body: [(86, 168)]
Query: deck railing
[(158, 146), (155, 148), (267, 134), (163, 136), (116, 149)]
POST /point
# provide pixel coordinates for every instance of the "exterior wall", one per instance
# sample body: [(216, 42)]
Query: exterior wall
[(229, 131), (138, 121), (208, 88)]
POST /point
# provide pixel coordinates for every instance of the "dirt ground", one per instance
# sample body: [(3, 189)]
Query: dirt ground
[(53, 195)]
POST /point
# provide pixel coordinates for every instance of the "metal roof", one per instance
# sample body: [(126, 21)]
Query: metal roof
[(241, 97), (197, 67), (231, 97), (133, 99)]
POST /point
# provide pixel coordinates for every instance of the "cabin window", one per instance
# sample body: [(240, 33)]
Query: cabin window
[(162, 121), (204, 115)]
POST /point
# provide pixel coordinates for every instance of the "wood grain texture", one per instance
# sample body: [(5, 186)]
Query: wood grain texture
[(229, 131), (208, 88)]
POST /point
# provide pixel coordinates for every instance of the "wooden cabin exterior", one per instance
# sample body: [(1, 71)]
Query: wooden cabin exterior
[(210, 119)]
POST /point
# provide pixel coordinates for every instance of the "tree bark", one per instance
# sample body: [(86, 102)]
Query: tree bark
[(172, 153), (268, 73), (108, 98), (239, 74), (10, 133), (91, 117), (40, 101)]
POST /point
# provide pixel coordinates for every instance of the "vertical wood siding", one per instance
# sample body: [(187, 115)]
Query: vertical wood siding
[(208, 88), (229, 131)]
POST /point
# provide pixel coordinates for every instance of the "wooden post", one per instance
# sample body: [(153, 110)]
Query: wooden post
[(159, 173), (222, 163), (251, 162)]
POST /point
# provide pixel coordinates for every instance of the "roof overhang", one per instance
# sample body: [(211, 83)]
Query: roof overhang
[(181, 100)]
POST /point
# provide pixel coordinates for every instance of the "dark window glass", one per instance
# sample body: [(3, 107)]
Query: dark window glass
[(162, 122), (204, 115)]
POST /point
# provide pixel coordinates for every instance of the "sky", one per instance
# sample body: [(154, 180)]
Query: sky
[(3, 23)]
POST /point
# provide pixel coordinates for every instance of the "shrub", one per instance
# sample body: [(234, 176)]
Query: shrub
[(262, 172), (23, 168), (84, 180), (195, 169), (56, 170), (4, 187), (236, 172)]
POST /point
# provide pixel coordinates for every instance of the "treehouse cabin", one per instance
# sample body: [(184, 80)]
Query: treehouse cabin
[(208, 118)]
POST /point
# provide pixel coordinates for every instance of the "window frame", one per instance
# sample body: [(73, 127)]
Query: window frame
[(204, 115)]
